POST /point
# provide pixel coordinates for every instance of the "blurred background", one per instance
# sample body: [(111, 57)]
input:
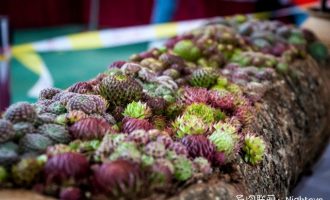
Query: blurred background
[(59, 63)]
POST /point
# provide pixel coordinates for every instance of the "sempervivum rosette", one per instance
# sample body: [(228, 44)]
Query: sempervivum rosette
[(189, 95), (48, 93), (119, 90), (85, 103), (132, 124), (204, 77), (19, 112), (161, 173), (66, 166), (198, 146), (57, 133), (6, 130), (119, 178), (81, 88), (222, 99), (90, 128), (35, 143), (26, 171)]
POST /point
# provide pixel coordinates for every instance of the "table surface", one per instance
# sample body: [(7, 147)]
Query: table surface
[(70, 67)]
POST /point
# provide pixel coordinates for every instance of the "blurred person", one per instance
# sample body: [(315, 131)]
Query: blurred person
[(163, 12)]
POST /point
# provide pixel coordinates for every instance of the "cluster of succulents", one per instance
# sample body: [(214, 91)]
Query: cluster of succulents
[(163, 117)]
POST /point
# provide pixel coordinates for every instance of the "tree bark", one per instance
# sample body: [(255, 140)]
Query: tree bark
[(293, 117)]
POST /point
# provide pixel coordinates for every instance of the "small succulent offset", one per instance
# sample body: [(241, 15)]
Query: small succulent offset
[(225, 139), (254, 148), (127, 151), (183, 168), (137, 110), (202, 165)]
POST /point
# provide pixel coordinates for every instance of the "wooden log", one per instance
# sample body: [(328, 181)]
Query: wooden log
[(293, 119)]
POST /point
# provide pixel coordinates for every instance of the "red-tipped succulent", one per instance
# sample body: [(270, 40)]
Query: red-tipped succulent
[(191, 95), (199, 146), (225, 101), (132, 124), (81, 88), (119, 178), (90, 128), (66, 166)]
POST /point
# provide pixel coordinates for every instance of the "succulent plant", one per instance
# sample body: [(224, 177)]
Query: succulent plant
[(8, 156), (126, 151), (161, 173), (58, 149), (56, 108), (90, 128), (189, 95), (19, 112), (66, 166), (7, 131), (147, 161), (165, 139), (85, 103), (199, 146), (71, 193), (137, 110), (318, 50), (159, 122), (222, 99), (27, 171), (119, 178), (202, 111), (244, 114), (139, 136), (48, 93), (225, 139), (219, 158), (254, 148), (74, 116), (183, 169), (64, 97), (189, 125), (202, 165), (155, 149), (35, 142), (45, 118), (81, 88), (57, 133), (132, 124), (203, 77), (174, 110), (3, 175), (178, 148), (120, 90), (187, 50), (109, 143), (157, 104)]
